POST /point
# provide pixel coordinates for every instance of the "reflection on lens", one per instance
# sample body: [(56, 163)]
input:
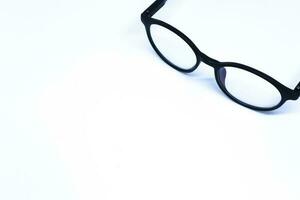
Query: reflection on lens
[(249, 88), (173, 47)]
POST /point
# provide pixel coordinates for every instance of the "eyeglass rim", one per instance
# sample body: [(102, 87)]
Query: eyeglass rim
[(188, 41), (278, 86)]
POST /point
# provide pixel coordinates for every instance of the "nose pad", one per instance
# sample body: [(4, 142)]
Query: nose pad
[(222, 74)]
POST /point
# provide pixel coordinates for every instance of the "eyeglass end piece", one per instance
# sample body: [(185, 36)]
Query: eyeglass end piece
[(297, 91), (153, 8)]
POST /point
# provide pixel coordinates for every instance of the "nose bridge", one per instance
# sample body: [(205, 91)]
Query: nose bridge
[(208, 60)]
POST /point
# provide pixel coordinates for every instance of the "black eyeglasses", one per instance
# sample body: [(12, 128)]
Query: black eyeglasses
[(244, 85)]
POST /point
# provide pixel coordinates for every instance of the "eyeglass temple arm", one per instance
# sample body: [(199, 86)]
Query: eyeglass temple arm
[(151, 10)]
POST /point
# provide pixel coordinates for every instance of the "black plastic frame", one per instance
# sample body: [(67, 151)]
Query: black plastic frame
[(148, 20)]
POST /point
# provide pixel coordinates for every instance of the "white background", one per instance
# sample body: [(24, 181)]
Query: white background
[(88, 111)]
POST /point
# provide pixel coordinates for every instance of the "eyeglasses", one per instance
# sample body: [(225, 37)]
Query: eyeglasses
[(244, 85)]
